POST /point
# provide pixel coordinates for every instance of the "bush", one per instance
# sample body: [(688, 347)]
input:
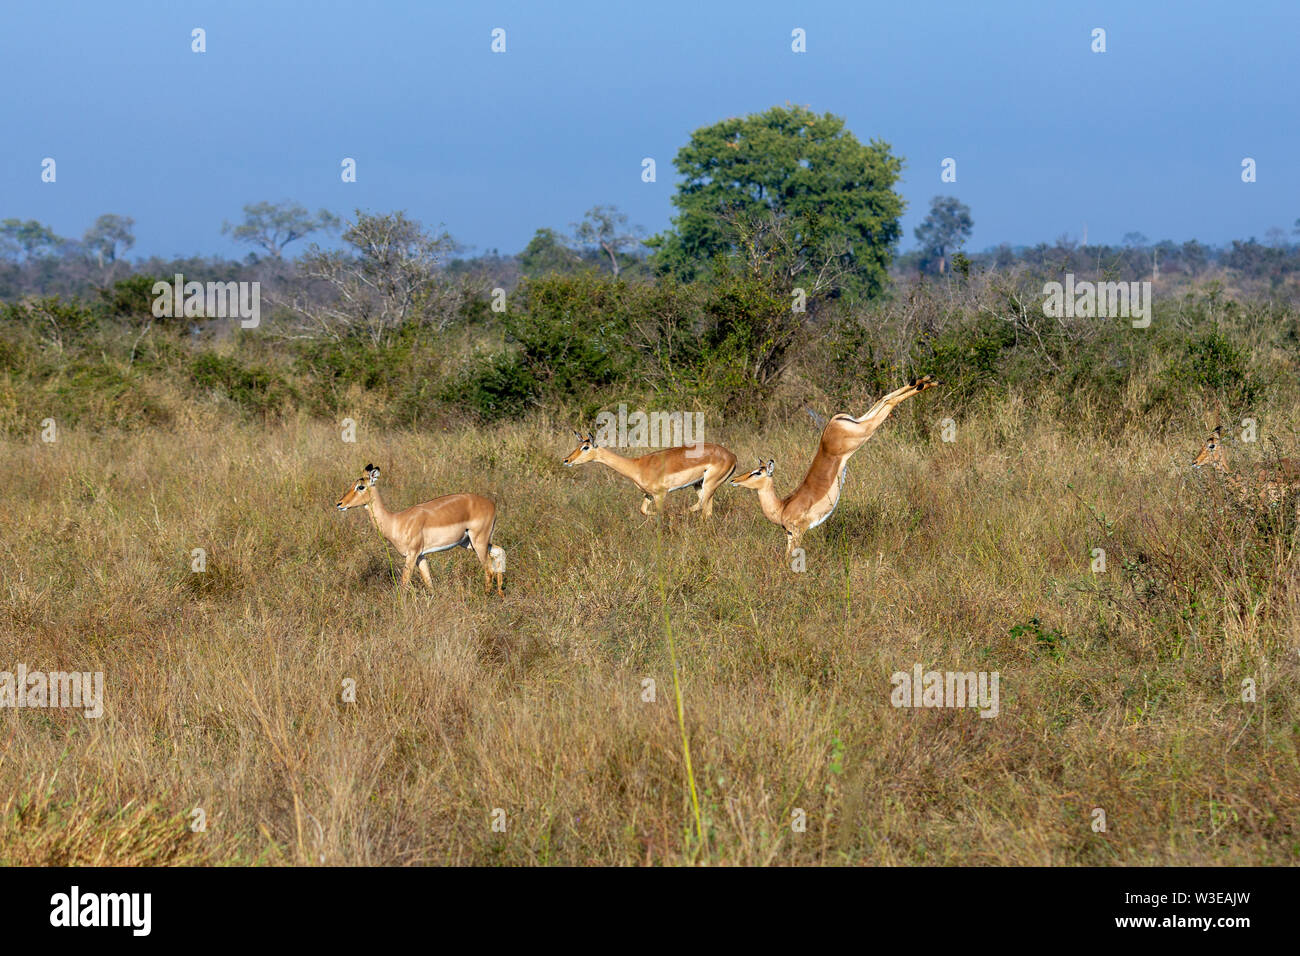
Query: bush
[(495, 387), (252, 388), (967, 356), (1211, 363), (572, 332), (130, 297)]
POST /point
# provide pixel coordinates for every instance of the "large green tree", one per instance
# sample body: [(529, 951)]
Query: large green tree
[(834, 196)]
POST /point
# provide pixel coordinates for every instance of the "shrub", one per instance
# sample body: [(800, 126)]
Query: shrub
[(252, 388), (130, 297), (572, 332), (494, 387), (1211, 363)]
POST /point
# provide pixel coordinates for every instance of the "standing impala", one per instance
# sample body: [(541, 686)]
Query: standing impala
[(700, 465), (464, 521), (1269, 483), (813, 501)]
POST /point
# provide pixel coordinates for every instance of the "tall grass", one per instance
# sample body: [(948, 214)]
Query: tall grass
[(1121, 690)]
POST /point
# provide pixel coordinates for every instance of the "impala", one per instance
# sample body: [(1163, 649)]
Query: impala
[(451, 521), (701, 465), (815, 499), (1269, 483)]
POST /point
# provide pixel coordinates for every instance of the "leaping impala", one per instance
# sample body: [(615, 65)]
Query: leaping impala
[(1267, 483), (451, 521), (699, 465), (815, 499)]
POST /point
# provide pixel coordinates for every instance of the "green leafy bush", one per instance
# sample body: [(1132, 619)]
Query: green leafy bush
[(572, 332), (252, 388), (1212, 364), (494, 387)]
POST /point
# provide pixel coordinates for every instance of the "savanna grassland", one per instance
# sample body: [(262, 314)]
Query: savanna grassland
[(316, 713), (1120, 690)]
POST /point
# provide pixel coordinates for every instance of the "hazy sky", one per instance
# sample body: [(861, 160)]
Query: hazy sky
[(1148, 136)]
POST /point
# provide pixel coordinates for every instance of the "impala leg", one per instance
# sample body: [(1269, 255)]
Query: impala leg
[(875, 417), (710, 487), (406, 571), (479, 542), (704, 505), (423, 565), (645, 505)]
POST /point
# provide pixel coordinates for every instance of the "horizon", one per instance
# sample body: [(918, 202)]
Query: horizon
[(494, 146)]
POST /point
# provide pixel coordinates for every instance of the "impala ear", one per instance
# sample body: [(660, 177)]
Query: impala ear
[(771, 466), (373, 474)]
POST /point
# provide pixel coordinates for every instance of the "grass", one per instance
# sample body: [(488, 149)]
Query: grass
[(1120, 691)]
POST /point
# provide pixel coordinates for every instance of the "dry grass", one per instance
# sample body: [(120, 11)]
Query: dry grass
[(223, 689)]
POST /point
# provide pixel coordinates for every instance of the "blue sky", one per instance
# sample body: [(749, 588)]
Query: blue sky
[(1047, 135)]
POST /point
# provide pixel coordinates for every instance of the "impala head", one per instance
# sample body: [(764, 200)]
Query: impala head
[(924, 382), (362, 491), (758, 477), (585, 452), (1212, 451)]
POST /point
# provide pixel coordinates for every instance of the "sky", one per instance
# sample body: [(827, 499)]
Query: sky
[(1048, 136)]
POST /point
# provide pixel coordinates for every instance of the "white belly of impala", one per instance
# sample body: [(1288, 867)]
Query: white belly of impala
[(834, 496), (462, 543)]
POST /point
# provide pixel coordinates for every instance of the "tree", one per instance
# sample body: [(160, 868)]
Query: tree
[(388, 277), (274, 225), (947, 227), (30, 238), (605, 228), (835, 194), (546, 253), (109, 232)]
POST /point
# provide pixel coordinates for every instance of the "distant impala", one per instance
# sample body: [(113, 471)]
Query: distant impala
[(1267, 483), (815, 499)]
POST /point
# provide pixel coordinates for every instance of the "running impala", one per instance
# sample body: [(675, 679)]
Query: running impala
[(815, 499), (452, 521), (701, 466)]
